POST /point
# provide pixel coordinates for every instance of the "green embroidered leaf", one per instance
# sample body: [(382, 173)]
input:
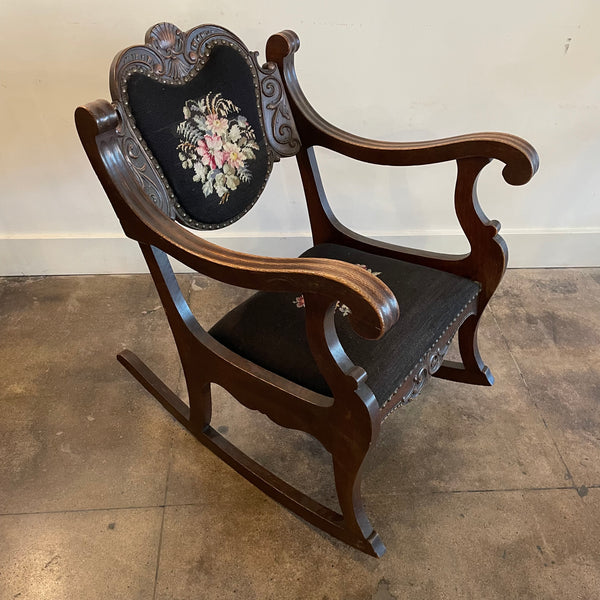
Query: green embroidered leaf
[(188, 131), (232, 182), (247, 152), (221, 185), (201, 172), (244, 174)]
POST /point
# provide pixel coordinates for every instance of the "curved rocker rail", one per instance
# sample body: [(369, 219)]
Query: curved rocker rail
[(315, 513)]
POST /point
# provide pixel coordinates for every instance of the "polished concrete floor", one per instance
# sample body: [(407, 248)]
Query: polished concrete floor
[(476, 492)]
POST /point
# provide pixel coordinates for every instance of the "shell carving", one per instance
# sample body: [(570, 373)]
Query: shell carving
[(167, 40)]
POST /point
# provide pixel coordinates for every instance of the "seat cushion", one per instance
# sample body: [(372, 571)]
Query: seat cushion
[(269, 328)]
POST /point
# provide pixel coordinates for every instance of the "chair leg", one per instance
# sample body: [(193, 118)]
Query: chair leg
[(200, 399), (352, 526), (486, 264), (347, 472), (469, 352), (472, 369)]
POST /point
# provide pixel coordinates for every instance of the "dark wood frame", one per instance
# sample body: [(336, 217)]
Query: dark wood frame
[(347, 424)]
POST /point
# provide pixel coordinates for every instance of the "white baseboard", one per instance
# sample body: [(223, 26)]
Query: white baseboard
[(72, 255)]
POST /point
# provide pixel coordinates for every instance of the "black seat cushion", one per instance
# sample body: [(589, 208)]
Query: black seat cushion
[(269, 328)]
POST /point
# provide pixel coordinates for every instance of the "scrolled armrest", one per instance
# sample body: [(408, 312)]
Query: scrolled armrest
[(519, 156), (374, 308), (96, 118)]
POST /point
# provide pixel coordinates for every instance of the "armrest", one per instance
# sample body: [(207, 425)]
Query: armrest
[(373, 305), (519, 156), (374, 308)]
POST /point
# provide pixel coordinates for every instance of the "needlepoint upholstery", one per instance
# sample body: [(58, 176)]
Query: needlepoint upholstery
[(207, 136), (269, 328)]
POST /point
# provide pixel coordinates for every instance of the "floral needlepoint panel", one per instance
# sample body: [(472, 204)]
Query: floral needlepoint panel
[(207, 136), (216, 144)]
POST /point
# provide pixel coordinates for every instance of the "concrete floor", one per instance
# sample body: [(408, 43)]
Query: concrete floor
[(476, 492)]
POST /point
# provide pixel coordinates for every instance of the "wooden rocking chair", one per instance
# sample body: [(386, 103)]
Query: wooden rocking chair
[(332, 341)]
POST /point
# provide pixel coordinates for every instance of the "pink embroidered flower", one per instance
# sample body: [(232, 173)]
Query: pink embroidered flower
[(205, 154), (213, 142), (220, 158), (299, 302), (235, 157), (216, 124), (209, 148)]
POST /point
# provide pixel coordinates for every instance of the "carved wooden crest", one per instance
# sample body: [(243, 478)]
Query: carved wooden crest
[(173, 57)]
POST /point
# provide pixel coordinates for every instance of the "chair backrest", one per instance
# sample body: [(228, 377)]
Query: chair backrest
[(202, 122)]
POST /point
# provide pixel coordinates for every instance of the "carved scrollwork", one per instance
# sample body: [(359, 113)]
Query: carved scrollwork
[(141, 166), (171, 55), (279, 122), (174, 57), (429, 363)]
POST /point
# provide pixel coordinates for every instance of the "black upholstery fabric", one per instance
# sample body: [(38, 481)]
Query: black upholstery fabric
[(269, 328), (158, 110)]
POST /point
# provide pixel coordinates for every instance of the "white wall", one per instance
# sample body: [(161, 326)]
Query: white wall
[(395, 70)]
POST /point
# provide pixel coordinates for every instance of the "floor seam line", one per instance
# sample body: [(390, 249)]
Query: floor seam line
[(101, 509), (186, 504), (532, 401), (499, 490), (487, 491), (164, 510), (160, 538)]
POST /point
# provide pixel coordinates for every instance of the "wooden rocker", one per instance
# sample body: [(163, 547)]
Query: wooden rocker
[(333, 341)]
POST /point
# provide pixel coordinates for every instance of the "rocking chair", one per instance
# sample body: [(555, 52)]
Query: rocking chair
[(333, 341)]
